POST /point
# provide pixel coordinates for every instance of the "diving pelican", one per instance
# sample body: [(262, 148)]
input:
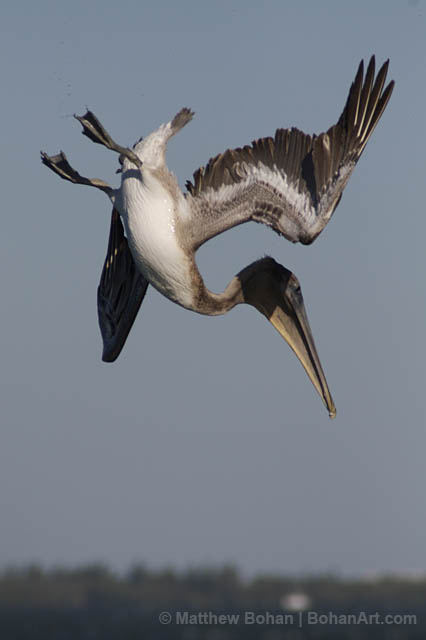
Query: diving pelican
[(292, 183)]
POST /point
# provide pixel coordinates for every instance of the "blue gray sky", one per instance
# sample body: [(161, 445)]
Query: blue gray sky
[(205, 442)]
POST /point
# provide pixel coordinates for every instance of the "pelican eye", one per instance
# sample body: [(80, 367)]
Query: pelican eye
[(294, 283), (294, 287)]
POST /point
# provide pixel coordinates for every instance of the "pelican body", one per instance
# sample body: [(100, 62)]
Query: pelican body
[(153, 210), (292, 183)]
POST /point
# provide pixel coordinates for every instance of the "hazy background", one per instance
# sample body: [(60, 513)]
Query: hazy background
[(205, 442)]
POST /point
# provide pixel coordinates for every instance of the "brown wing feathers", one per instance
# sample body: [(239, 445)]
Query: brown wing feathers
[(309, 162), (286, 151)]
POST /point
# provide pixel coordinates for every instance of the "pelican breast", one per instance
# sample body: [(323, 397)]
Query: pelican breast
[(150, 217)]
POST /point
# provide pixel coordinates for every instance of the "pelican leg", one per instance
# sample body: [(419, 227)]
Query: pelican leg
[(60, 165), (94, 130)]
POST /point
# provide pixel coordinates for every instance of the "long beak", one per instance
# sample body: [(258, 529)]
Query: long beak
[(291, 321)]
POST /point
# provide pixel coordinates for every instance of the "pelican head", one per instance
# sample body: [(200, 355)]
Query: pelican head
[(276, 293)]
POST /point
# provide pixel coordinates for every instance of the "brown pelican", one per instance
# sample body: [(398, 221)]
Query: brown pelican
[(292, 182)]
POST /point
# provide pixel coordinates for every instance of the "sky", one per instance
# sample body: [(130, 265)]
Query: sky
[(205, 442)]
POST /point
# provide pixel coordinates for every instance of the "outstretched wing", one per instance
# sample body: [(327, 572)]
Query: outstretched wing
[(120, 293), (292, 182)]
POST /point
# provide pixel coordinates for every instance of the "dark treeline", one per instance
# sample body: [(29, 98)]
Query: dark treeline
[(77, 587), (94, 602)]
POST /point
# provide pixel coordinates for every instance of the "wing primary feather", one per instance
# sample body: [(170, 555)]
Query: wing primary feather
[(380, 107), (354, 97), (371, 115), (365, 93)]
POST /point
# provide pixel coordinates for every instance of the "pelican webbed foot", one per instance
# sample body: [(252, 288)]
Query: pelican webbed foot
[(94, 130), (60, 165)]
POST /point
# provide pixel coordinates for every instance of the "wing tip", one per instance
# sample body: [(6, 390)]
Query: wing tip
[(109, 355)]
